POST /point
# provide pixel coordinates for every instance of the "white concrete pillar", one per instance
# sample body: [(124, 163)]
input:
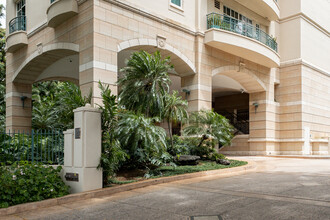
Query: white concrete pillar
[(82, 151)]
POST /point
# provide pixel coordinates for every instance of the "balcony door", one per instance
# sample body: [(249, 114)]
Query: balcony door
[(20, 8)]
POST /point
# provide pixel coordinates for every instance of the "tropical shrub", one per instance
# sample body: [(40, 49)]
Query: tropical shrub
[(112, 154), (46, 147), (10, 151), (54, 102), (142, 139), (207, 124), (217, 156), (178, 146), (145, 83), (204, 150), (68, 99), (24, 182)]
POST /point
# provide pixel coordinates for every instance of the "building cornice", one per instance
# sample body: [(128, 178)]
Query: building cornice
[(301, 61), (308, 19)]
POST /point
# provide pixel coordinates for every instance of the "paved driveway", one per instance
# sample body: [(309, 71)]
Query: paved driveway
[(278, 189)]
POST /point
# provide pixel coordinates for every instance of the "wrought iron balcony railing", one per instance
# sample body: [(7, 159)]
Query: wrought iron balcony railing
[(17, 24), (228, 23)]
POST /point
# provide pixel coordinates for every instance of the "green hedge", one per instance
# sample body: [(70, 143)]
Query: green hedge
[(29, 182)]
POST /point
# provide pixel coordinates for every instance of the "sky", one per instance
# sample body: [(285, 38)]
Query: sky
[(3, 20)]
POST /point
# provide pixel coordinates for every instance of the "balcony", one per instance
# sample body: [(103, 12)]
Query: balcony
[(17, 37), (241, 39), (266, 8), (60, 11)]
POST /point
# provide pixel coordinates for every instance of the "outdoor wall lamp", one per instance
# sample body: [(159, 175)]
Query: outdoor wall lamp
[(256, 105), (186, 91), (23, 98)]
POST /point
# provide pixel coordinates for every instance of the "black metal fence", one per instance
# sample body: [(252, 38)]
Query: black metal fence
[(44, 146)]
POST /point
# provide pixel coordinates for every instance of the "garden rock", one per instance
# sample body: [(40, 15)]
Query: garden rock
[(223, 162), (188, 160)]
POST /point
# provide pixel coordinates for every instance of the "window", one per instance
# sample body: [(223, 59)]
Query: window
[(217, 4), (177, 3), (20, 8), (236, 15)]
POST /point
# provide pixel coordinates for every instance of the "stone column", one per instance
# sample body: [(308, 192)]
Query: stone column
[(262, 124), (83, 151), (98, 57), (18, 117), (198, 92), (200, 84)]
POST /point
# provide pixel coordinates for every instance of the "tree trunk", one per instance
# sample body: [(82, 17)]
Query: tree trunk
[(204, 137), (170, 131)]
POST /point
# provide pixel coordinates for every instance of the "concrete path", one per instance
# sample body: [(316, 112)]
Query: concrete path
[(278, 189)]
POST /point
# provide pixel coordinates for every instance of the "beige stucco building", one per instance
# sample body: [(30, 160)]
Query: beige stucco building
[(265, 64)]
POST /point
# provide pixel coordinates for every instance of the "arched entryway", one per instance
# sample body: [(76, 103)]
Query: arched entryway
[(58, 61), (232, 87), (183, 67)]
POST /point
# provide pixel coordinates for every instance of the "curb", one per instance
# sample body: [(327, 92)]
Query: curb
[(117, 189), (300, 157)]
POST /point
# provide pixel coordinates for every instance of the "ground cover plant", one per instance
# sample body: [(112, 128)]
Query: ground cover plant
[(29, 182), (165, 171)]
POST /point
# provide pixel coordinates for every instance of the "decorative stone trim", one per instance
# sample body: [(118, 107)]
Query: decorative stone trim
[(307, 19), (305, 63), (161, 42), (18, 94), (235, 68), (155, 43), (198, 87), (98, 65)]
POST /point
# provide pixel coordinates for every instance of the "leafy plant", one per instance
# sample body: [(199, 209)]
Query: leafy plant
[(24, 182), (53, 104), (207, 124), (175, 111), (204, 150), (145, 83), (177, 146), (68, 99), (112, 153), (144, 141), (216, 156), (47, 147)]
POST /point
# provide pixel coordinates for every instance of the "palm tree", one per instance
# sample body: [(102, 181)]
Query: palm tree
[(145, 83), (175, 111), (208, 124), (144, 141)]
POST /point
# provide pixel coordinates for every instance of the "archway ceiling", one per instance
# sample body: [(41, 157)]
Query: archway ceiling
[(33, 69), (66, 69), (180, 67)]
